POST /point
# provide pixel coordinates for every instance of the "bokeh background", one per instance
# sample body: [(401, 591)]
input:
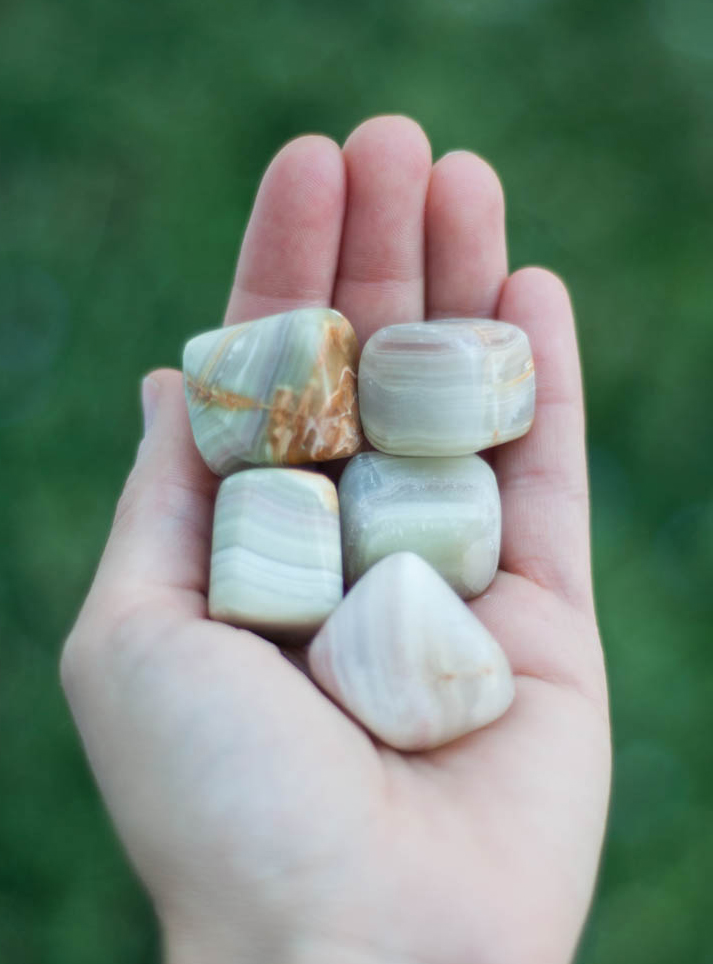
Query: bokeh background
[(132, 139)]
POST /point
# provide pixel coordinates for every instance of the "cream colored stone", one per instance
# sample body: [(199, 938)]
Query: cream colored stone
[(276, 562), (406, 657), (449, 387)]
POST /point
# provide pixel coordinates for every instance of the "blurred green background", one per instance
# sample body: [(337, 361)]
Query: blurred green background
[(132, 139)]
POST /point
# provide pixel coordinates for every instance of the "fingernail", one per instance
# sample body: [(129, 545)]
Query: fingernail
[(457, 150), (149, 399)]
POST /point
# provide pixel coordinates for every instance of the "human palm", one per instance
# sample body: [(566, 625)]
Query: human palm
[(266, 824)]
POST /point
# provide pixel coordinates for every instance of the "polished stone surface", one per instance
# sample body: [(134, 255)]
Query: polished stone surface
[(406, 657), (446, 510), (276, 562), (446, 387), (277, 391)]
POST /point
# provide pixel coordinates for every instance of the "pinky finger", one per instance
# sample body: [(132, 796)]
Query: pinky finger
[(543, 476)]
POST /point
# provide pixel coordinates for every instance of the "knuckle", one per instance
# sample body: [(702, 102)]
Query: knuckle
[(166, 498), (70, 666), (111, 640)]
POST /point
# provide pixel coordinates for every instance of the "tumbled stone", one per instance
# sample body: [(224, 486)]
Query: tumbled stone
[(447, 510), (446, 387), (277, 391), (408, 659), (276, 562)]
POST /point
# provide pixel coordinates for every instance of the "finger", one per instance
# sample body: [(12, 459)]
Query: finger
[(528, 625), (543, 476), (291, 246), (466, 256), (159, 544), (380, 280)]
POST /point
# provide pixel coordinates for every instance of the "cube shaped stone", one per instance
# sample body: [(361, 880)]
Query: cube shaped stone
[(276, 561), (448, 387), (446, 510)]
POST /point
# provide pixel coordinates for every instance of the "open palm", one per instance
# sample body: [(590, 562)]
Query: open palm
[(266, 824)]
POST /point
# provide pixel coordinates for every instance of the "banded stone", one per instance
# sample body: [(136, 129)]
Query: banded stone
[(277, 391), (408, 659), (449, 387), (446, 510), (276, 561)]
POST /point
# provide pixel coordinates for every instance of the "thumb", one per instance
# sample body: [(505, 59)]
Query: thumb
[(160, 541)]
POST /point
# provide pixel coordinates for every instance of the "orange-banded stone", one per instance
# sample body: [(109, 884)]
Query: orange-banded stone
[(280, 390)]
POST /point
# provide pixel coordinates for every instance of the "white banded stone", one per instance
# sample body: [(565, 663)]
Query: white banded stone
[(280, 390), (448, 387), (407, 658), (446, 510), (276, 561)]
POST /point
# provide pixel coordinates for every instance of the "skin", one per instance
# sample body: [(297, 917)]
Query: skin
[(266, 824)]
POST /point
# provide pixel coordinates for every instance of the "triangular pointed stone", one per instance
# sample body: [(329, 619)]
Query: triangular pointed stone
[(407, 658)]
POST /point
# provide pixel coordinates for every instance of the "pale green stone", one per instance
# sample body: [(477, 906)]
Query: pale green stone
[(280, 390), (276, 561), (406, 657), (446, 387), (446, 510)]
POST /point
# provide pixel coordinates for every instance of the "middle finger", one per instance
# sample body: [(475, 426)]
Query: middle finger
[(380, 279)]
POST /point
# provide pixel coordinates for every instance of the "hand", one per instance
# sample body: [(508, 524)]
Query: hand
[(267, 825)]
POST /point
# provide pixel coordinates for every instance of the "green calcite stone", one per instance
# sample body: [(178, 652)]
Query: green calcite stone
[(446, 510)]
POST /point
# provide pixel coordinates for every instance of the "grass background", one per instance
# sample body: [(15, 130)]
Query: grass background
[(132, 139)]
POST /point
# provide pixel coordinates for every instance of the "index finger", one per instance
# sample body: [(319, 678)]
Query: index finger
[(290, 251)]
